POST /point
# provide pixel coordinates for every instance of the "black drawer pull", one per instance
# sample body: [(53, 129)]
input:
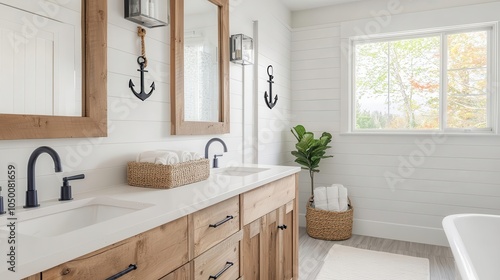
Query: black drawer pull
[(221, 222), (228, 265), (283, 227), (121, 273)]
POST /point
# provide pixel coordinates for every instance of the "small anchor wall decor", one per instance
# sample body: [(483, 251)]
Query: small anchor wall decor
[(142, 95), (269, 98), (143, 62)]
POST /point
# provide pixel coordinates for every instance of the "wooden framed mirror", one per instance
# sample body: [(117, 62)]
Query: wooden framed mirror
[(210, 114), (93, 122)]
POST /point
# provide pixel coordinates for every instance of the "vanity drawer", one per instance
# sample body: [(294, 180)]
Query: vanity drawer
[(182, 273), (260, 201), (214, 224), (223, 260), (155, 253)]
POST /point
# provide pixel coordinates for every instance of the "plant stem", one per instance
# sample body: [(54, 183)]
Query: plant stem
[(311, 174)]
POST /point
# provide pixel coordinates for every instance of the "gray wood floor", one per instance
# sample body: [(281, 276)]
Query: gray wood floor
[(312, 253)]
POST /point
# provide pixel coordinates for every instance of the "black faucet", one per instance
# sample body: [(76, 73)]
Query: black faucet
[(215, 164), (31, 194)]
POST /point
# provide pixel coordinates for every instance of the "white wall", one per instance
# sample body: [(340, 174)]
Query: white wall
[(273, 35), (458, 174), (135, 126)]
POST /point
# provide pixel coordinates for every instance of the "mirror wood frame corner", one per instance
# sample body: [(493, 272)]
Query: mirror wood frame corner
[(93, 122), (178, 125)]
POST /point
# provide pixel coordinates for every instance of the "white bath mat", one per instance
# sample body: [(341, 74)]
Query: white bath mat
[(348, 263)]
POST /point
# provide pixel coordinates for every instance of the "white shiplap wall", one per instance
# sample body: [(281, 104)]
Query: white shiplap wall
[(458, 174), (265, 129), (135, 126)]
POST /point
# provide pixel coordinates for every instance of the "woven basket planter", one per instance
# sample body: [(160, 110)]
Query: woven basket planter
[(328, 225), (159, 176)]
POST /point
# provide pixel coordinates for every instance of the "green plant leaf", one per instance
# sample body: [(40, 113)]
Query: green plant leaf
[(310, 151), (304, 144), (300, 130)]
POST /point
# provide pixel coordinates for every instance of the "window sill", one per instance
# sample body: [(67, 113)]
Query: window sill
[(423, 133)]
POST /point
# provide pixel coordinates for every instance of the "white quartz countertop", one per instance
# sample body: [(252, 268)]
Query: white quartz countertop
[(36, 254)]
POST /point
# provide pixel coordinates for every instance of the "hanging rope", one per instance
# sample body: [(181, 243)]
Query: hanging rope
[(142, 33)]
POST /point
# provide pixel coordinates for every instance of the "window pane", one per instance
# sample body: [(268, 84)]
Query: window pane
[(397, 84), (467, 80), (371, 85)]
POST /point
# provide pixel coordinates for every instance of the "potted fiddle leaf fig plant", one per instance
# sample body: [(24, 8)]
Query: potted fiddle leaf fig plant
[(310, 151)]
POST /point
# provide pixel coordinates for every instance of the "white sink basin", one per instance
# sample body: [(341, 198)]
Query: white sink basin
[(475, 242), (238, 171), (71, 216)]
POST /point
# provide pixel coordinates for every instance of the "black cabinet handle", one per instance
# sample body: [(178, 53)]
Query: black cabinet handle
[(121, 273), (228, 265), (283, 227), (221, 222)]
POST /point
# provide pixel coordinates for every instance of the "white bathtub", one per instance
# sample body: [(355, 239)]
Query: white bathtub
[(475, 243)]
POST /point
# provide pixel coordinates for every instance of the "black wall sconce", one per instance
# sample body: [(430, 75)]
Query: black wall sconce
[(148, 13), (241, 49)]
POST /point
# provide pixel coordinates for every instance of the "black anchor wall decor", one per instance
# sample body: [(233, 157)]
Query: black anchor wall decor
[(142, 95), (143, 62), (269, 98)]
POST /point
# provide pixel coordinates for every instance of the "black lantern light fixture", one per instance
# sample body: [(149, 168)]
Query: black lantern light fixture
[(241, 49), (148, 13)]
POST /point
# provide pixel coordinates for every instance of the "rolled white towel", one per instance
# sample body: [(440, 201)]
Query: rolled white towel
[(184, 156), (332, 194), (342, 198), (148, 156), (158, 157), (166, 157), (195, 156), (320, 198)]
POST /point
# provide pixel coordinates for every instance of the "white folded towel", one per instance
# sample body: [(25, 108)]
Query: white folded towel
[(342, 198), (332, 194), (320, 198), (158, 157)]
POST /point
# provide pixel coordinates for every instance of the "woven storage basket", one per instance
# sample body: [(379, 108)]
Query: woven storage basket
[(159, 176), (328, 225)]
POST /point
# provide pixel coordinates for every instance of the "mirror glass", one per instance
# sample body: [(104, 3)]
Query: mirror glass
[(41, 57), (199, 67), (201, 61)]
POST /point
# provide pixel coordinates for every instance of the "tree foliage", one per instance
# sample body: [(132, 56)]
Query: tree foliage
[(398, 82)]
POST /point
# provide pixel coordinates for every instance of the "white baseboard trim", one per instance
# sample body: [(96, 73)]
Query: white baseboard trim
[(426, 235)]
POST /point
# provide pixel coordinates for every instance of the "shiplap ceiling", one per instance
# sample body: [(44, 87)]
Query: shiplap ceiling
[(296, 5)]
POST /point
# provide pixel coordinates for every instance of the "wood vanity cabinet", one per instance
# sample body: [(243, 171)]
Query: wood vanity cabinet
[(155, 253), (250, 236), (182, 273), (270, 241)]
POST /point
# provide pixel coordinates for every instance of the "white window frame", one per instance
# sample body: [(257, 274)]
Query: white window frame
[(492, 97)]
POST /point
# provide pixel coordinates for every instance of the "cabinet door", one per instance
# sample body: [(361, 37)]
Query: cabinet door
[(269, 250), (251, 252), (260, 248), (289, 235)]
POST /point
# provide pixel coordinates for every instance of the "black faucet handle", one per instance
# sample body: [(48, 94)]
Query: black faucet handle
[(2, 209), (216, 161), (66, 188), (75, 177)]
